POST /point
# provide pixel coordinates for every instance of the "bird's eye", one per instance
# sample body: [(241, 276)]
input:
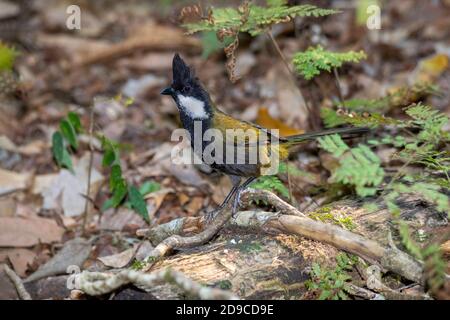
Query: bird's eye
[(186, 89)]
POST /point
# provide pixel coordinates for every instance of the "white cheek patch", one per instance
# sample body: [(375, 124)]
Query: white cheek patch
[(193, 106)]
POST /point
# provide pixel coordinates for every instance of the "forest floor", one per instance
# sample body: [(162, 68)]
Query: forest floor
[(124, 50)]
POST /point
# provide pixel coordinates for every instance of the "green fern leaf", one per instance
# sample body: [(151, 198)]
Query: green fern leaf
[(314, 60)]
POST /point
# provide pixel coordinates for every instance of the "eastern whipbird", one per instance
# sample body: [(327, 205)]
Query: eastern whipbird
[(197, 109)]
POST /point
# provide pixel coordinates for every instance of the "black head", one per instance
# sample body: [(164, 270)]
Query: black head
[(185, 84)]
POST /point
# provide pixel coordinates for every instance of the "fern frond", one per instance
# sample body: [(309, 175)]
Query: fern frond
[(271, 183), (359, 166), (333, 144), (316, 59), (276, 3), (406, 238), (429, 191), (429, 120), (259, 18)]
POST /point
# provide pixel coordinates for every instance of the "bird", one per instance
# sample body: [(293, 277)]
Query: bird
[(198, 114)]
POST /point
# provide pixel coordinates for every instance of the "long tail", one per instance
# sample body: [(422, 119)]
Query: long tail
[(347, 132)]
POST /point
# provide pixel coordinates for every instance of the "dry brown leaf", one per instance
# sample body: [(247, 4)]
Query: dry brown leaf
[(148, 36), (183, 198), (8, 9), (155, 199), (122, 219), (195, 205), (430, 68), (34, 147), (118, 260), (20, 259), (67, 189), (150, 62), (42, 182), (73, 253), (144, 250), (11, 181), (290, 106), (72, 45), (265, 120), (8, 207), (21, 232)]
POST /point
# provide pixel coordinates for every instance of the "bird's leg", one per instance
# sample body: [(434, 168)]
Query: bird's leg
[(238, 194), (235, 180)]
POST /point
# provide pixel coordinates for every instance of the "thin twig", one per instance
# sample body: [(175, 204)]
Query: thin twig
[(176, 242), (338, 86), (292, 75), (15, 279), (91, 161)]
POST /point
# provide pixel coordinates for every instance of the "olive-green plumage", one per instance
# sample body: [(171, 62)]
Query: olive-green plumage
[(241, 138)]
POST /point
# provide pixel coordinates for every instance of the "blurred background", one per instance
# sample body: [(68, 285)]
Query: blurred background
[(119, 60)]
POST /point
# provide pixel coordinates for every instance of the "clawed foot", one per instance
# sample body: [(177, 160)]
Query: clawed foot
[(211, 215)]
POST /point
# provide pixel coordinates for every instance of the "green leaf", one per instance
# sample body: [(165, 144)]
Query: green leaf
[(360, 167), (108, 204), (333, 144), (325, 295), (211, 44), (120, 191), (60, 153), (257, 20), (58, 147), (75, 121), (69, 133), (342, 295), (115, 178), (276, 3), (67, 160), (271, 183), (138, 203), (109, 157), (149, 187), (314, 60)]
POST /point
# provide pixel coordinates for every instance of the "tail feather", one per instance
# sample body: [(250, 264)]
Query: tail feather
[(313, 135)]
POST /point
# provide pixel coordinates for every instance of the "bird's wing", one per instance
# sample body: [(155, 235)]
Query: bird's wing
[(242, 133)]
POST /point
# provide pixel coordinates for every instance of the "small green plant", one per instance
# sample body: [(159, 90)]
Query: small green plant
[(419, 141), (359, 166), (271, 183), (7, 57), (330, 283), (252, 18), (316, 59), (434, 264), (325, 214), (138, 265), (227, 23), (65, 140), (118, 186)]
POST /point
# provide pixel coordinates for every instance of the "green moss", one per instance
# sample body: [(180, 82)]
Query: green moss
[(327, 215), (247, 247)]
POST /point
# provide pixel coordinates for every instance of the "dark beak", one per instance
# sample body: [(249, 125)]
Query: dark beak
[(167, 91)]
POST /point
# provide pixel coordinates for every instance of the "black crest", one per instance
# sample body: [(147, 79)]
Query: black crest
[(183, 75)]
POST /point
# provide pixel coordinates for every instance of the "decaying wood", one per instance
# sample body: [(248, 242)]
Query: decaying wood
[(255, 265), (294, 222), (176, 241)]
